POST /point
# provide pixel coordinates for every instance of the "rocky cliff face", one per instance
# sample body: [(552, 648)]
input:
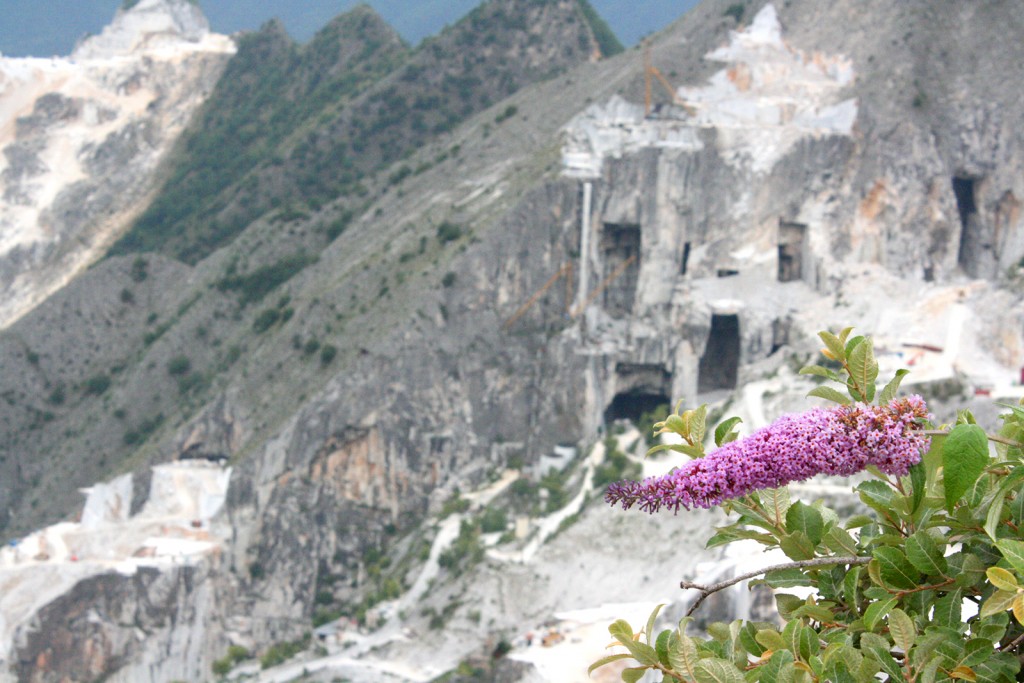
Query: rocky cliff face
[(791, 182), (82, 137)]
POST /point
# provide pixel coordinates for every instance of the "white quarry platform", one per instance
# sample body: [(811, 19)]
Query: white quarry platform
[(173, 528)]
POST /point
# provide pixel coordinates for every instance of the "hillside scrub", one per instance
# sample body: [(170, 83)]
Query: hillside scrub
[(924, 583)]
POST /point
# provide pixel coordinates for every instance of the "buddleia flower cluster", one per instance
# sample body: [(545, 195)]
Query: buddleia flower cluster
[(840, 440)]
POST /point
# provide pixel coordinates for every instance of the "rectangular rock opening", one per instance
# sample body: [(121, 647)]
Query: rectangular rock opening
[(976, 251), (639, 389), (686, 259), (620, 245), (727, 272), (719, 366), (792, 240)]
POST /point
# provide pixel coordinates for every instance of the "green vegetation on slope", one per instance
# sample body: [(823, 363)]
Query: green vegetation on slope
[(293, 128), (269, 89), (606, 39)]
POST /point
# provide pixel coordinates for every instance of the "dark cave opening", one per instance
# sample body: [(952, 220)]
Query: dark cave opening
[(963, 188), (975, 251), (792, 238), (631, 405), (719, 366), (686, 259), (620, 244)]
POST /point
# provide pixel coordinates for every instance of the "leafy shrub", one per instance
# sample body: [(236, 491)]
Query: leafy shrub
[(327, 354), (493, 520), (465, 551), (140, 269), (735, 11), (510, 111), (455, 504), (279, 653), (449, 279), (257, 284), (97, 384), (448, 232), (179, 365), (58, 395), (941, 526), (266, 319)]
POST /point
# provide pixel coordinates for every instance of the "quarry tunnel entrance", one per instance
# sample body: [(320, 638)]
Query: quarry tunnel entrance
[(632, 405), (620, 245), (720, 363), (792, 238), (640, 388), (975, 244)]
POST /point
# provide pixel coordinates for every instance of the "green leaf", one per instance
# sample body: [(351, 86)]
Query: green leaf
[(969, 570), (858, 521), (925, 555), (779, 668), (786, 603), (851, 344), (714, 670), (801, 640), (851, 585), (724, 429), (1013, 551), (999, 668), (996, 499), (787, 578), (691, 451), (729, 534), (771, 639), (607, 660), (889, 392), (1002, 579), (1000, 601), (864, 368), (634, 675), (682, 654), (650, 623), (820, 372), (834, 345), (777, 502), (642, 653), (878, 496), (931, 669), (829, 394), (947, 610), (815, 612), (878, 649), (806, 519), (902, 629), (697, 419), (876, 610), (976, 651), (797, 546), (748, 638), (896, 572), (918, 484), (992, 628), (661, 647), (840, 541), (964, 458)]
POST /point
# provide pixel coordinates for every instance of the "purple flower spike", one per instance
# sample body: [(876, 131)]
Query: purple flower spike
[(838, 441)]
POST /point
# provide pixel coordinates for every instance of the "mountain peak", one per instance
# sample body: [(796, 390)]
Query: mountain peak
[(147, 25)]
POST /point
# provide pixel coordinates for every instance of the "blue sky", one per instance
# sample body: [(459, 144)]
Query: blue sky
[(51, 27)]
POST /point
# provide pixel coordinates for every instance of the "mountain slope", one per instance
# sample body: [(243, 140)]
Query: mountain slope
[(358, 384), (343, 133), (82, 137)]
